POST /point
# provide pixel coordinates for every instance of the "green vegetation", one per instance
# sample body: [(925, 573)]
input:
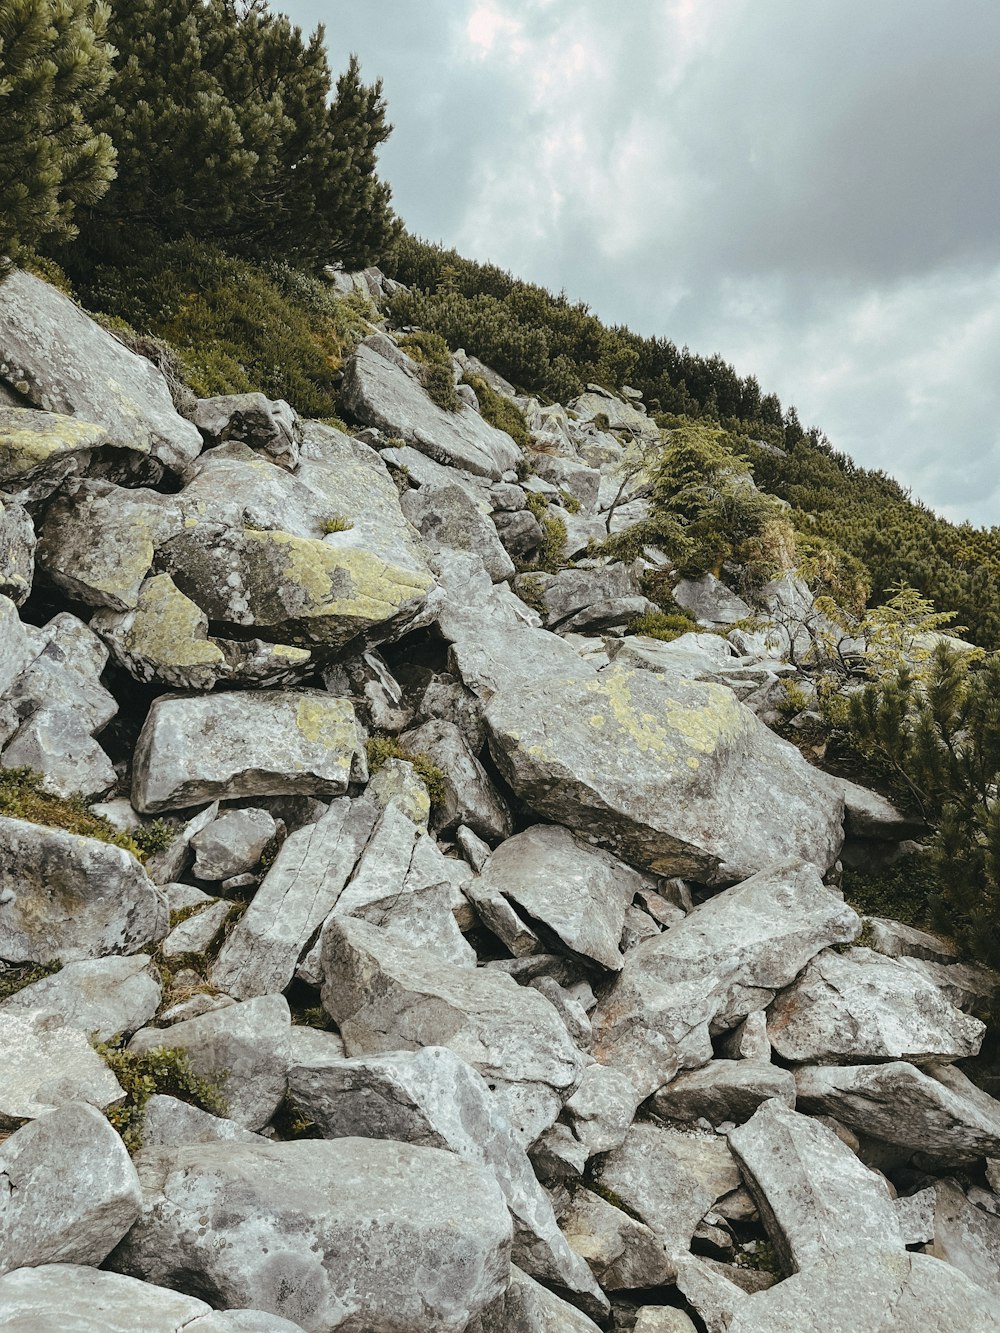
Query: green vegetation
[(19, 975), (499, 411), (22, 796), (55, 66), (430, 351), (662, 625), (337, 523), (166, 1070), (380, 749)]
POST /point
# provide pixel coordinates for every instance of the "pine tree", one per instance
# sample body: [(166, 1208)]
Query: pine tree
[(54, 65)]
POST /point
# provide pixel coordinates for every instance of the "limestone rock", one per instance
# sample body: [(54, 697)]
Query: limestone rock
[(724, 1090), (68, 1188), (418, 1242), (966, 1237), (528, 1307), (710, 602), (192, 749), (40, 451), (602, 1108), (860, 1005), (100, 996), (267, 427), (469, 796), (232, 844), (61, 361), (16, 649), (446, 516), (46, 1064), (70, 897), (623, 1254), (242, 1048), (17, 551), (672, 774), (385, 996), (56, 742), (169, 1123), (197, 933)]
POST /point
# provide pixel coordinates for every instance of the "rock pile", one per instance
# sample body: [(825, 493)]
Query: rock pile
[(452, 959)]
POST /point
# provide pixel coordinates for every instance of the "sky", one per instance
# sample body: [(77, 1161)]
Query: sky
[(809, 188)]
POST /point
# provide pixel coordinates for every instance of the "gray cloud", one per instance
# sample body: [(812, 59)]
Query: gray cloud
[(808, 189)]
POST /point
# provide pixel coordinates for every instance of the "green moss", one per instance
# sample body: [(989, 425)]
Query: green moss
[(380, 749), (499, 411), (22, 796), (430, 349), (154, 837), (662, 625), (602, 421), (569, 502), (337, 523), (13, 979), (537, 504), (904, 891), (762, 1259), (530, 589), (165, 1070)]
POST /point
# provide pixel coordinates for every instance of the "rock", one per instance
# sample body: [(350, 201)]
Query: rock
[(724, 1090), (936, 1116), (815, 1197), (56, 743), (966, 1237), (710, 602), (47, 1064), (197, 933), (16, 649), (68, 1188), (968, 986), (40, 451), (602, 1108), (915, 1216), (58, 1297), (474, 849), (623, 1254), (577, 893), (169, 1123), (242, 1048), (497, 915), (709, 1292), (860, 1005), (267, 427), (662, 1319), (570, 478), (167, 866), (398, 783), (674, 775), (297, 895), (192, 749), (520, 533), (388, 394), (528, 1307), (725, 960), (581, 599), (61, 361), (432, 1098), (896, 940), (668, 1179), (17, 551), (748, 1040), (419, 1240), (101, 996), (869, 815), (447, 516), (70, 897), (468, 796), (232, 844), (385, 996)]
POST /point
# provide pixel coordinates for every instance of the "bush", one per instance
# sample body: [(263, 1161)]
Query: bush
[(662, 625), (500, 411), (165, 1070)]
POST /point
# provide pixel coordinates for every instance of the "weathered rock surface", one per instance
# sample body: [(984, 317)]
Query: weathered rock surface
[(860, 1006), (447, 516), (724, 1090), (385, 996), (46, 1064), (100, 996), (468, 796), (232, 844), (68, 1191), (966, 1237), (66, 897), (17, 551), (169, 1123), (418, 1242), (529, 1307), (624, 1255), (710, 601), (288, 742), (672, 774), (266, 426)]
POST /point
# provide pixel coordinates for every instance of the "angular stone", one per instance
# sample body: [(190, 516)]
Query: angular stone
[(266, 426), (577, 892), (232, 844), (398, 783), (242, 1048), (56, 743), (528, 1307), (68, 1189), (432, 1098), (61, 361), (662, 1319), (674, 775), (725, 960), (669, 1179), (169, 1123), (197, 933), (104, 997), (418, 1240), (623, 1254), (861, 1005), (468, 796), (915, 1215), (936, 1115), (46, 1064), (602, 1108), (17, 552), (748, 1040), (447, 516), (16, 649), (385, 997), (66, 897), (40, 451), (709, 601), (288, 742), (966, 1237), (724, 1090)]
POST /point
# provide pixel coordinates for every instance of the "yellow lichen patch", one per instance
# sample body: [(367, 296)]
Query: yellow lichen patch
[(700, 726), (328, 722), (169, 629), (29, 438)]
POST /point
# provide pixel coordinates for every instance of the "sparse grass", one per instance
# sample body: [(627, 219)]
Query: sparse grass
[(569, 502), (530, 590), (380, 749), (337, 523), (165, 1070), (663, 625)]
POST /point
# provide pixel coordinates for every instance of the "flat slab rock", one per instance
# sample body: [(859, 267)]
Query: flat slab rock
[(278, 743), (419, 1241), (63, 896), (100, 996), (47, 1064), (674, 775)]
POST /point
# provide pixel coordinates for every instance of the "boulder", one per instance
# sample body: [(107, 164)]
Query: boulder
[(447, 516), (289, 742), (602, 1108), (529, 1307), (385, 996), (623, 1254), (710, 602), (169, 1123), (67, 897), (860, 1005), (46, 1064), (725, 960), (432, 1098), (242, 1048), (196, 934), (267, 427), (232, 844), (468, 796), (57, 743), (17, 650), (68, 1189), (674, 775), (103, 997), (17, 551), (418, 1242), (966, 1237), (61, 361), (724, 1090), (388, 394)]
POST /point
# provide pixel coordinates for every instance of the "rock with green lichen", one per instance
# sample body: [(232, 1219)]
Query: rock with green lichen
[(40, 451), (193, 749)]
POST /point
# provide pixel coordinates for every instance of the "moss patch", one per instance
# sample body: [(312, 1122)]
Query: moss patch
[(380, 749), (499, 411), (13, 979), (165, 1070), (23, 797)]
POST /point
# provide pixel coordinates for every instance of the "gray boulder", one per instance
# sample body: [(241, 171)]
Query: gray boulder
[(100, 996), (169, 1123), (418, 1241), (267, 427), (724, 1090), (17, 551), (290, 742), (68, 1188), (860, 1005), (46, 1064), (672, 774), (967, 1237), (232, 844), (529, 1307), (710, 602), (468, 796), (66, 897), (447, 516), (602, 1108), (385, 996), (61, 361), (623, 1254)]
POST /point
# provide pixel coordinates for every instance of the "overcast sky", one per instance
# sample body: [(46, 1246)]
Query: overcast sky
[(808, 187)]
